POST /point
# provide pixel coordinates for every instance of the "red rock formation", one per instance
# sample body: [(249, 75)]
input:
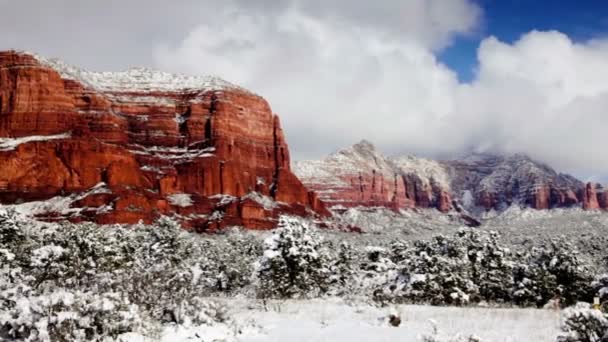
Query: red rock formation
[(146, 142), (361, 177), (602, 198), (590, 198), (594, 196)]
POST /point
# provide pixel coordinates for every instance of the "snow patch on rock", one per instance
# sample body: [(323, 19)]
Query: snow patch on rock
[(8, 144), (180, 200)]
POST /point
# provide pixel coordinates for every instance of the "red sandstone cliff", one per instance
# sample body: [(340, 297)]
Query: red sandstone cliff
[(134, 145)]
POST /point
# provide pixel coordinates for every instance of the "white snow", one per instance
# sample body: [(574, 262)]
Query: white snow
[(59, 204), (333, 320), (265, 201), (180, 200), (428, 170), (136, 80), (173, 153), (7, 144)]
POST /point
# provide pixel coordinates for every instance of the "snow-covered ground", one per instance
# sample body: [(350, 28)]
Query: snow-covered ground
[(333, 320)]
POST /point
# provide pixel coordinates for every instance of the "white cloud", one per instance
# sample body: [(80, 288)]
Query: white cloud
[(334, 82), (341, 70), (544, 95), (331, 80)]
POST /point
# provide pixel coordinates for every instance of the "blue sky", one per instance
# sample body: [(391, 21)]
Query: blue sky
[(581, 20)]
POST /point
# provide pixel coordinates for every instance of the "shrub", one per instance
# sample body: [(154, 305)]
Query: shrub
[(66, 316)]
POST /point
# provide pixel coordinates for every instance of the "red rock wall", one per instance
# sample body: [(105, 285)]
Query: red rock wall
[(219, 142), (594, 197), (382, 189)]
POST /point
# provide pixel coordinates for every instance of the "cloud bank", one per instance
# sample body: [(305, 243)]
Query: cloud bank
[(342, 70)]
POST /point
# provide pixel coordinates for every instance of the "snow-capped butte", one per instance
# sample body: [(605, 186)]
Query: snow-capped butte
[(163, 144), (137, 79), (362, 176)]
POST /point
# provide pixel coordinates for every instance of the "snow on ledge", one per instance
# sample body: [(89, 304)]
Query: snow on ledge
[(8, 144), (180, 200), (265, 201)]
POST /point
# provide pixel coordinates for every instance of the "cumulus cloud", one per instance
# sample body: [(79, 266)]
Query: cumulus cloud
[(544, 95), (336, 75), (342, 70)]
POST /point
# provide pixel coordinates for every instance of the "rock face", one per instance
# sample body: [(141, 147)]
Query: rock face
[(361, 176), (133, 145)]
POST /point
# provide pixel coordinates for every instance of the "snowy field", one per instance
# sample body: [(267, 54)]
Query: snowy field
[(337, 321)]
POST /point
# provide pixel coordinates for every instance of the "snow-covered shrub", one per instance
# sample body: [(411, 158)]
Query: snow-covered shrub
[(233, 260), (554, 271), (160, 279), (12, 228), (295, 262), (469, 266), (581, 323), (81, 256), (60, 315), (439, 273), (200, 311), (492, 269)]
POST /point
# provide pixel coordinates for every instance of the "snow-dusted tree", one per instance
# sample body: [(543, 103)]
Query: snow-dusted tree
[(161, 279), (581, 323), (342, 278), (14, 248), (379, 275), (467, 267), (233, 259), (554, 271), (295, 262), (493, 269)]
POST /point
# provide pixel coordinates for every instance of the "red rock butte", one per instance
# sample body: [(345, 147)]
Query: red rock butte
[(127, 146)]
